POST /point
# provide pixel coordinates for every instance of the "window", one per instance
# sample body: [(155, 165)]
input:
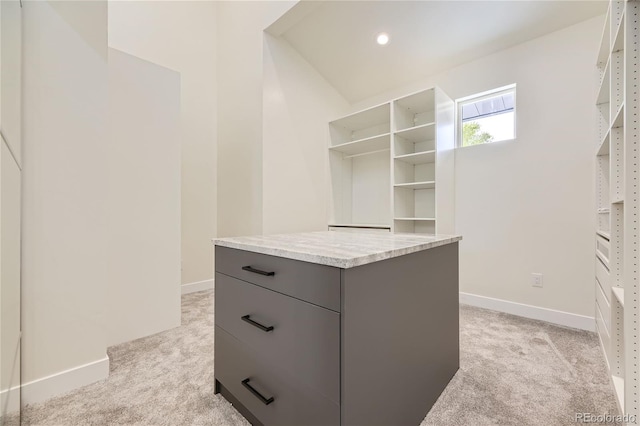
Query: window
[(487, 117)]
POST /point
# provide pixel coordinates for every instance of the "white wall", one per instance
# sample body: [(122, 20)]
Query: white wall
[(528, 206), (10, 84), (298, 104), (10, 204), (240, 66), (65, 180), (9, 281), (181, 35), (143, 295)]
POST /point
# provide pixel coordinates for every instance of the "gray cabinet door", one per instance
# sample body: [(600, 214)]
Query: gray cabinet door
[(317, 284), (399, 336), (305, 339), (293, 402)]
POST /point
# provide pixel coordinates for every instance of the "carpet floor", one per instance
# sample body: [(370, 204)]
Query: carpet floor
[(513, 371)]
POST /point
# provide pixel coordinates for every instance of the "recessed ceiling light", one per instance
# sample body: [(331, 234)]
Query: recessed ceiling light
[(382, 39)]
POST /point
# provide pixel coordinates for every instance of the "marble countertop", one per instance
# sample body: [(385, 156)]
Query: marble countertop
[(335, 248)]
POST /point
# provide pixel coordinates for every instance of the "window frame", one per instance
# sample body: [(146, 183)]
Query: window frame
[(460, 102)]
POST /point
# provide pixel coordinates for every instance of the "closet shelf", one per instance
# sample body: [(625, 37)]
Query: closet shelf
[(618, 201), (429, 219), (423, 157), (363, 146), (619, 294), (618, 121), (416, 185), (618, 385), (367, 118), (618, 41), (421, 133), (605, 89), (604, 234), (603, 149), (360, 225)]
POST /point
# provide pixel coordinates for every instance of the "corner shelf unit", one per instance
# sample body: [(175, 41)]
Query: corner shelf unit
[(617, 236), (392, 166)]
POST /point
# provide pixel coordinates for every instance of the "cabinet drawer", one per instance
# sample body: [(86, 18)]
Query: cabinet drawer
[(604, 306), (293, 403), (602, 249), (305, 339), (603, 276), (317, 284)]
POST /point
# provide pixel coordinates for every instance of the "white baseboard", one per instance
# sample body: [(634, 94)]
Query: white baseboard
[(47, 387), (528, 311), (9, 400), (197, 286)]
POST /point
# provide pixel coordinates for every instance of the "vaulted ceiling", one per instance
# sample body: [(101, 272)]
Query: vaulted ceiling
[(338, 37)]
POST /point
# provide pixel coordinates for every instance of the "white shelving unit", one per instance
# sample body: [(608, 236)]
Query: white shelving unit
[(360, 171), (617, 237), (392, 166)]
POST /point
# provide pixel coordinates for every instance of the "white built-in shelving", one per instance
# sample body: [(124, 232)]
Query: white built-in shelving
[(365, 145), (617, 238), (417, 185), (422, 157), (392, 165)]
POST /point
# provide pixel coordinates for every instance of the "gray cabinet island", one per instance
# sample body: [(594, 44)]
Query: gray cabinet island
[(336, 328)]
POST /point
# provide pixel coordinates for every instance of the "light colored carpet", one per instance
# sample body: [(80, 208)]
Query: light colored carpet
[(513, 372)]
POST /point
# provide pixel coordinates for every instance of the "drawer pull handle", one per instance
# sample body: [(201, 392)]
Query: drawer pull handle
[(247, 318), (265, 401), (258, 271)]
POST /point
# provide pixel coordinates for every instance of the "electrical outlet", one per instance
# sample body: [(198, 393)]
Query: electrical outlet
[(536, 280)]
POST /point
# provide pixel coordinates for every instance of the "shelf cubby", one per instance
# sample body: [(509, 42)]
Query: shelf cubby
[(422, 157), (616, 241), (406, 172), (618, 120), (415, 111), (364, 146), (404, 146), (365, 125), (360, 188), (602, 182), (414, 202), (616, 83), (415, 225), (603, 224), (616, 167), (602, 121)]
